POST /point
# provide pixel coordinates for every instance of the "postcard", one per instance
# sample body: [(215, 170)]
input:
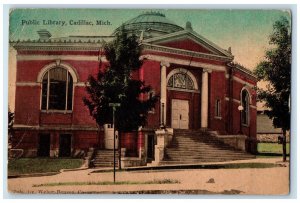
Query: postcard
[(149, 101)]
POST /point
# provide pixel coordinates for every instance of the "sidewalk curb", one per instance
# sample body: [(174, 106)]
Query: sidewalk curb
[(32, 175), (45, 174), (206, 166)]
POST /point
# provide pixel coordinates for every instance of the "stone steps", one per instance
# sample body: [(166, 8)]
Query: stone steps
[(198, 146), (104, 158)]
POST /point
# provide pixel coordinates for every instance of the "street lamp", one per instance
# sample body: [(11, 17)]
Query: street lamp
[(114, 107), (240, 108)]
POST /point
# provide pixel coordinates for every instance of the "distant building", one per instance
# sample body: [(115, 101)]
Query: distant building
[(199, 87), (266, 132)]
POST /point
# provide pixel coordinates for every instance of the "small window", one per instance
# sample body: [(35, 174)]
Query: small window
[(151, 94), (218, 108), (245, 104), (57, 90)]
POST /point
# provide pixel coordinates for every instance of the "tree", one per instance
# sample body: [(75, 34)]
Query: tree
[(115, 84), (276, 70), (11, 117)]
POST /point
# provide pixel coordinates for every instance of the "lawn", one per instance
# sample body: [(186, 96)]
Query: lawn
[(41, 165), (271, 149)]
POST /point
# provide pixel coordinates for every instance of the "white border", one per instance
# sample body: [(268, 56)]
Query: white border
[(118, 3)]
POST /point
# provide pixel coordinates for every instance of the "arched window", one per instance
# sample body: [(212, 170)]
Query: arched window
[(181, 81), (245, 103), (57, 89)]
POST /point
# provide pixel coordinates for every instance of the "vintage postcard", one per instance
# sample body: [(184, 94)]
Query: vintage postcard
[(149, 101)]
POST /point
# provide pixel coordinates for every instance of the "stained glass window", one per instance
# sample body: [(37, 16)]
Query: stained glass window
[(181, 81)]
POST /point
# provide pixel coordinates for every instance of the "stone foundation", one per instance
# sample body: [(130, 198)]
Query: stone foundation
[(236, 141), (130, 162)]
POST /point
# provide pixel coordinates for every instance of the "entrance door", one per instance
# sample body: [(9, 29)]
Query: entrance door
[(109, 137), (180, 114), (150, 147), (64, 145), (44, 145)]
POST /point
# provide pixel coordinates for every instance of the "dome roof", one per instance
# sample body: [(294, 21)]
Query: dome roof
[(152, 24)]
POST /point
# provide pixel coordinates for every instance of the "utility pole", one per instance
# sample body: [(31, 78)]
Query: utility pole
[(114, 106)]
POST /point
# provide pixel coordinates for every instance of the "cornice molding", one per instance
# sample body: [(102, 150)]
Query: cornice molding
[(188, 53), (184, 62), (25, 57), (239, 80), (28, 84), (57, 46)]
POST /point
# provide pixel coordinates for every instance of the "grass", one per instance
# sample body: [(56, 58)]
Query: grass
[(164, 181), (41, 165), (271, 150)]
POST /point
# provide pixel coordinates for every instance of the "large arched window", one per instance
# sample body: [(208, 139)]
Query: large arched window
[(57, 89), (182, 79), (245, 99)]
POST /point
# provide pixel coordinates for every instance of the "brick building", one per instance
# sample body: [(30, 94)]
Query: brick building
[(198, 85)]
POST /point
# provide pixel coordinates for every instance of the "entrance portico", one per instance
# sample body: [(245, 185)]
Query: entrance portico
[(183, 105)]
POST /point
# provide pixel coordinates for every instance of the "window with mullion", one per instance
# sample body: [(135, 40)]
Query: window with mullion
[(57, 90), (245, 104)]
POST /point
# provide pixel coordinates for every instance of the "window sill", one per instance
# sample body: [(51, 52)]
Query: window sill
[(218, 117), (57, 111), (245, 125)]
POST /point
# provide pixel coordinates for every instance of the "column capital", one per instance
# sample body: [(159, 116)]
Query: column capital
[(165, 63), (207, 70)]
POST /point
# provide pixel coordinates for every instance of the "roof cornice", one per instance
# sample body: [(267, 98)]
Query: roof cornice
[(51, 46), (159, 48)]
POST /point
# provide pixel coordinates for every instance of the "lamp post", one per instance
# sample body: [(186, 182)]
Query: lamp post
[(240, 108), (114, 106)]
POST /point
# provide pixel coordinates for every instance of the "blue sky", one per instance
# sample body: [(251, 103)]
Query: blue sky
[(245, 31)]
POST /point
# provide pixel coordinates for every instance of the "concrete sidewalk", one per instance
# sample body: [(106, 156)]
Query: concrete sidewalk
[(276, 160), (197, 181)]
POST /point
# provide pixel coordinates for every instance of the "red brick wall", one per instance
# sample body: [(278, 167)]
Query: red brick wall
[(87, 139), (27, 105), (81, 115), (249, 130), (55, 118), (217, 91), (25, 139), (151, 75)]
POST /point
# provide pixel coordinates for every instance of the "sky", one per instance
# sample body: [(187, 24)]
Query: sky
[(245, 31)]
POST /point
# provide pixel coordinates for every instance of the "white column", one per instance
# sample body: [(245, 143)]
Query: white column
[(163, 92), (204, 99)]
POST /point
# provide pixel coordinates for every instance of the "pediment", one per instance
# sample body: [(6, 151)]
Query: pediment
[(186, 44), (190, 41)]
